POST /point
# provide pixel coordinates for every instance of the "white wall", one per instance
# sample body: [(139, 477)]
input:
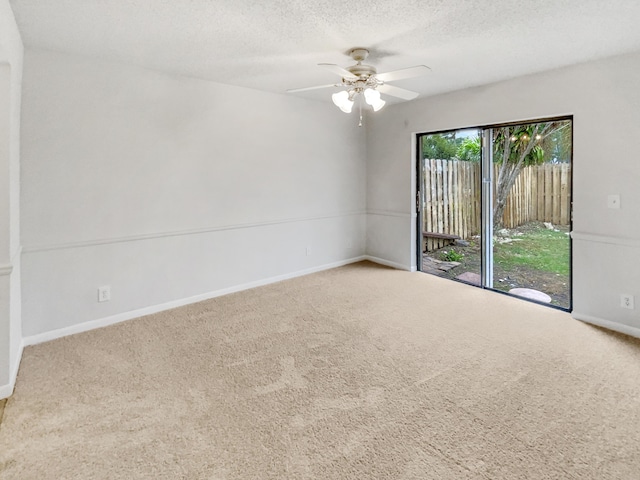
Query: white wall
[(11, 58), (167, 188), (604, 97)]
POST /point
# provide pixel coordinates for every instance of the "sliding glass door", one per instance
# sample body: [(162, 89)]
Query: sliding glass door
[(495, 208), (449, 177)]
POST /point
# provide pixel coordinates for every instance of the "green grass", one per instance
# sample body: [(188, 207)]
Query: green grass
[(541, 249)]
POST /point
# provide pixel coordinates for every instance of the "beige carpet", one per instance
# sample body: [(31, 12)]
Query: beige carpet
[(360, 372)]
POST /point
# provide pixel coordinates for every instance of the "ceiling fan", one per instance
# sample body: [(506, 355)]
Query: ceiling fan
[(364, 80)]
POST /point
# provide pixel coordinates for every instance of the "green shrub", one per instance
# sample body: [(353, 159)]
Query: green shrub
[(452, 256)]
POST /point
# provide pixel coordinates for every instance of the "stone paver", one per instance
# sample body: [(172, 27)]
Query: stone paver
[(470, 277), (531, 294)]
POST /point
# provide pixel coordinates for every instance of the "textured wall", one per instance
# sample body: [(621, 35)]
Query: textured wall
[(603, 97), (168, 187)]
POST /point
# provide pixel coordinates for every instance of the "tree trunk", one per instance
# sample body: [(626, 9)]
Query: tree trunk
[(507, 178), (498, 213), (509, 171)]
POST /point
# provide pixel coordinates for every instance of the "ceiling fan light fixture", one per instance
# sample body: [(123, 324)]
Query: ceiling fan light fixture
[(372, 97), (378, 105), (365, 81), (343, 101)]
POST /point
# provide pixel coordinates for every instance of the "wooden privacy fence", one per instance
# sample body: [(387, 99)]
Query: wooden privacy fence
[(452, 198)]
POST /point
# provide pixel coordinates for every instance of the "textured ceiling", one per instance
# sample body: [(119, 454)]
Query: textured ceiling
[(275, 45)]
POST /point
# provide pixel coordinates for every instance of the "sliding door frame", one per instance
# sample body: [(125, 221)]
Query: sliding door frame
[(486, 209), (486, 204)]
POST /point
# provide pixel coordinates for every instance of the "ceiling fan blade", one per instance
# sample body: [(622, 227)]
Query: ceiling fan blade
[(294, 90), (337, 69), (397, 92), (403, 73)]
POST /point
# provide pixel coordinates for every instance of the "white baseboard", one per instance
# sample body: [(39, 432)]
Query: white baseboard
[(7, 390), (387, 263), (608, 324), (121, 317)]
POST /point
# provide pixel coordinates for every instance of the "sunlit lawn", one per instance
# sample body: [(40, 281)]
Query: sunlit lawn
[(541, 249)]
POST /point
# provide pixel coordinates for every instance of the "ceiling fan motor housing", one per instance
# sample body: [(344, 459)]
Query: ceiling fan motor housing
[(359, 54), (362, 71)]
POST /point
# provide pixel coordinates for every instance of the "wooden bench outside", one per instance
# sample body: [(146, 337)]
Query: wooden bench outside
[(444, 236), (440, 236)]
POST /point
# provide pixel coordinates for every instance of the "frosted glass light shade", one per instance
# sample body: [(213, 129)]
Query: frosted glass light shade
[(378, 105), (372, 97), (341, 100)]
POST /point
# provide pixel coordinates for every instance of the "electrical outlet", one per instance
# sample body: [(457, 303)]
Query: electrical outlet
[(308, 250), (626, 301), (613, 201), (104, 293)]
